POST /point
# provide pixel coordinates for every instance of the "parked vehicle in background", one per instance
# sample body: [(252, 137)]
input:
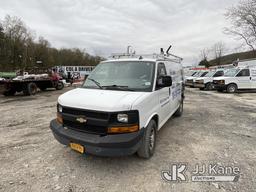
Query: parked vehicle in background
[(190, 81), (121, 106), (236, 79), (206, 82), (30, 83), (190, 74)]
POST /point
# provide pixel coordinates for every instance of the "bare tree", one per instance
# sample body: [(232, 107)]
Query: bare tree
[(243, 22), (218, 50)]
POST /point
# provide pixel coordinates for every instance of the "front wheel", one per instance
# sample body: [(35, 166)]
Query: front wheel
[(232, 88), (60, 85), (209, 87), (147, 147)]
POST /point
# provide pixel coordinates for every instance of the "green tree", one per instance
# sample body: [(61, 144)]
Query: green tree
[(205, 63)]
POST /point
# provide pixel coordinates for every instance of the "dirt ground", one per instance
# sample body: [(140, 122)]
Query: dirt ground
[(215, 128)]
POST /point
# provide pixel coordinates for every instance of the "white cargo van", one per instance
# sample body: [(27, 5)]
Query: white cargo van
[(236, 79), (121, 105), (206, 82), (190, 81)]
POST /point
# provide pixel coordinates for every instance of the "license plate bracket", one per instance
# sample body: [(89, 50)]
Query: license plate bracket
[(77, 147)]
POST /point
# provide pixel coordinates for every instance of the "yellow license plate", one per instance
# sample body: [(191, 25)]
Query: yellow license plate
[(77, 147)]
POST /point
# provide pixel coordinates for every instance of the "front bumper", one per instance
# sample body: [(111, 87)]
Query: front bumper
[(220, 86), (109, 145), (199, 85), (189, 83)]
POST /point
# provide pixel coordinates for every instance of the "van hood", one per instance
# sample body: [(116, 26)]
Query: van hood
[(221, 78), (191, 78), (202, 78), (99, 100)]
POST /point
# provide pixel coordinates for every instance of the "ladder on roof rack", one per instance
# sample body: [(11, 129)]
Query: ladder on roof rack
[(169, 57), (162, 56)]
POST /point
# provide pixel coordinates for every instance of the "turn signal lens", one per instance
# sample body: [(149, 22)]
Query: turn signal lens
[(126, 129), (59, 118)]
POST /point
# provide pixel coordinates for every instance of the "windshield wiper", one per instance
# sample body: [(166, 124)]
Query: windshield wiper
[(118, 87), (96, 82)]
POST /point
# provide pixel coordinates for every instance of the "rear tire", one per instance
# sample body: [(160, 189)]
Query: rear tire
[(30, 89), (147, 147), (232, 88), (179, 111), (10, 92)]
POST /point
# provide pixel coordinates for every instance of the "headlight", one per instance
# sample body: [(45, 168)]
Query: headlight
[(59, 108), (123, 118), (222, 82)]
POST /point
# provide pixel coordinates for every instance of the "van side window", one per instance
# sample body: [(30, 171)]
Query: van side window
[(161, 71), (218, 74), (244, 73)]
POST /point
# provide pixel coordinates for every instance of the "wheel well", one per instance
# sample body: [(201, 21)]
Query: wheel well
[(232, 84), (155, 118)]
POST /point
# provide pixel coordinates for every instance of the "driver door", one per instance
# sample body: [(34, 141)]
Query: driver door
[(163, 95)]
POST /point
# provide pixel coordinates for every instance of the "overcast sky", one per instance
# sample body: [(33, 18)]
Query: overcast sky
[(106, 26)]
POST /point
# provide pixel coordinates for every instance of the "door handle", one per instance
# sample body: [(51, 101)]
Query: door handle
[(169, 91), (250, 78)]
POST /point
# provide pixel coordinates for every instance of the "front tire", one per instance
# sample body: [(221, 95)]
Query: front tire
[(232, 88), (209, 87), (147, 147), (60, 85)]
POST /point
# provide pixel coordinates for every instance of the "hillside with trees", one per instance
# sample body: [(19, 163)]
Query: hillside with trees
[(242, 19), (229, 59), (20, 49)]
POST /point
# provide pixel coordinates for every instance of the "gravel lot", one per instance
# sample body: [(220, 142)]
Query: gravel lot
[(215, 128)]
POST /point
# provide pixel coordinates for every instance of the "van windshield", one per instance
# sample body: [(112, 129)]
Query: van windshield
[(231, 72), (122, 75), (198, 74), (203, 74), (210, 74)]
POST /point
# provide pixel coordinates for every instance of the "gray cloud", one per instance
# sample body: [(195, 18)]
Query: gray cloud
[(105, 26)]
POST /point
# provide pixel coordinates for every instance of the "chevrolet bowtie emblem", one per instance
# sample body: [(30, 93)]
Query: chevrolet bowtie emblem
[(81, 119)]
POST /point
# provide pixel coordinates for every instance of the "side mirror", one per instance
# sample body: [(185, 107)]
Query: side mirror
[(164, 81)]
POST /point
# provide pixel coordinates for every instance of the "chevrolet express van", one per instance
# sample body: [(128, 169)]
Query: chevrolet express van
[(121, 106), (190, 81), (206, 82), (236, 79)]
